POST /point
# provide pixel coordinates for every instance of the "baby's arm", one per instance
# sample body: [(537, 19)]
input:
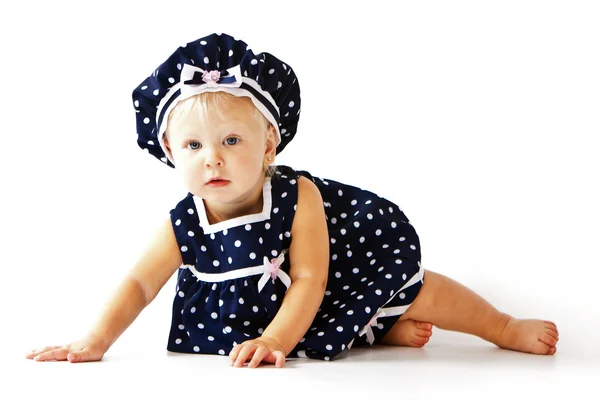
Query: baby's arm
[(309, 262), (139, 288)]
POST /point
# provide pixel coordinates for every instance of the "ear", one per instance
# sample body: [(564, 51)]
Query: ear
[(168, 148), (270, 145)]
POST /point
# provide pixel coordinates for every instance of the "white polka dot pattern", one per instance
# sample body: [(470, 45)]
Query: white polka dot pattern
[(374, 263)]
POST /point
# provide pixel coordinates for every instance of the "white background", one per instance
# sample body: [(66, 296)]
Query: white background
[(478, 118)]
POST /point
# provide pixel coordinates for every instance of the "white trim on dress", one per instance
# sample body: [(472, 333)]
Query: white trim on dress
[(238, 221), (241, 273), (390, 311)]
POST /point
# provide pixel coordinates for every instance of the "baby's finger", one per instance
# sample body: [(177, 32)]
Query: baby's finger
[(83, 356), (276, 357), (259, 354), (244, 354), (58, 354), (280, 358), (35, 352), (234, 353)]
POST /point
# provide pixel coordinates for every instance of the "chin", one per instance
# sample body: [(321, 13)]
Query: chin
[(200, 193)]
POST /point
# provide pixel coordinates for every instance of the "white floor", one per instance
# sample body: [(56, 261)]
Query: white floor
[(489, 144), (450, 366)]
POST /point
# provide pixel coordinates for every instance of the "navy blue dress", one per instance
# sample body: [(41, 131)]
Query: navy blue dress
[(228, 291)]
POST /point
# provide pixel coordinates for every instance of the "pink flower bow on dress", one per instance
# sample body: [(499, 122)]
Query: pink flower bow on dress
[(272, 270), (273, 266), (372, 322)]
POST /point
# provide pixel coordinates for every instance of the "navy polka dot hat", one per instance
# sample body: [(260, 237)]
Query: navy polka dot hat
[(217, 62)]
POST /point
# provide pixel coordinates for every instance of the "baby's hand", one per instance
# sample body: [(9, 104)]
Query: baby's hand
[(88, 349), (257, 350)]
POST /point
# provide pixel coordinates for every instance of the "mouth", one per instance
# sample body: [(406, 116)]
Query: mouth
[(217, 182)]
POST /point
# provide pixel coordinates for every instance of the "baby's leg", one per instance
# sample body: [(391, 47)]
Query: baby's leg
[(449, 305)]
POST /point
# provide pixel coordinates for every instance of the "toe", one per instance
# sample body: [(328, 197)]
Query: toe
[(552, 327), (552, 334), (419, 342), (548, 340), (423, 333), (424, 325)]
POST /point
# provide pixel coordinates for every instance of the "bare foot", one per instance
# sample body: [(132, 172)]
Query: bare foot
[(529, 336), (409, 333)]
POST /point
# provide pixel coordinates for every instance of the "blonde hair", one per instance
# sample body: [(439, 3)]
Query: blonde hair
[(211, 103)]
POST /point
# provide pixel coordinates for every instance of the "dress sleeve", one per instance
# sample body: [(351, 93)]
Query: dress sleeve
[(182, 217)]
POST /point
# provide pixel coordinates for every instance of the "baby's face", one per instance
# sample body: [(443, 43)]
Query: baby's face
[(221, 159)]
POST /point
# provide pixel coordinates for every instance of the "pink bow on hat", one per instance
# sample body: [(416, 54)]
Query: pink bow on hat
[(191, 75), (211, 76)]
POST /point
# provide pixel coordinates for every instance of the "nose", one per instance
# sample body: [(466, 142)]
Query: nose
[(212, 158)]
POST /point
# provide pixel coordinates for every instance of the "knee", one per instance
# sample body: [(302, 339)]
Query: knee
[(432, 290)]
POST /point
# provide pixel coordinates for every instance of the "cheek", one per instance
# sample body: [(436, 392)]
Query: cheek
[(250, 158), (176, 157), (259, 152), (187, 168), (192, 180), (185, 159)]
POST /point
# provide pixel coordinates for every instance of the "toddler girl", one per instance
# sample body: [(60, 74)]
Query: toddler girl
[(272, 262)]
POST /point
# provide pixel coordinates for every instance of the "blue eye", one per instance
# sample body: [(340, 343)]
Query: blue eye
[(232, 140), (194, 145)]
